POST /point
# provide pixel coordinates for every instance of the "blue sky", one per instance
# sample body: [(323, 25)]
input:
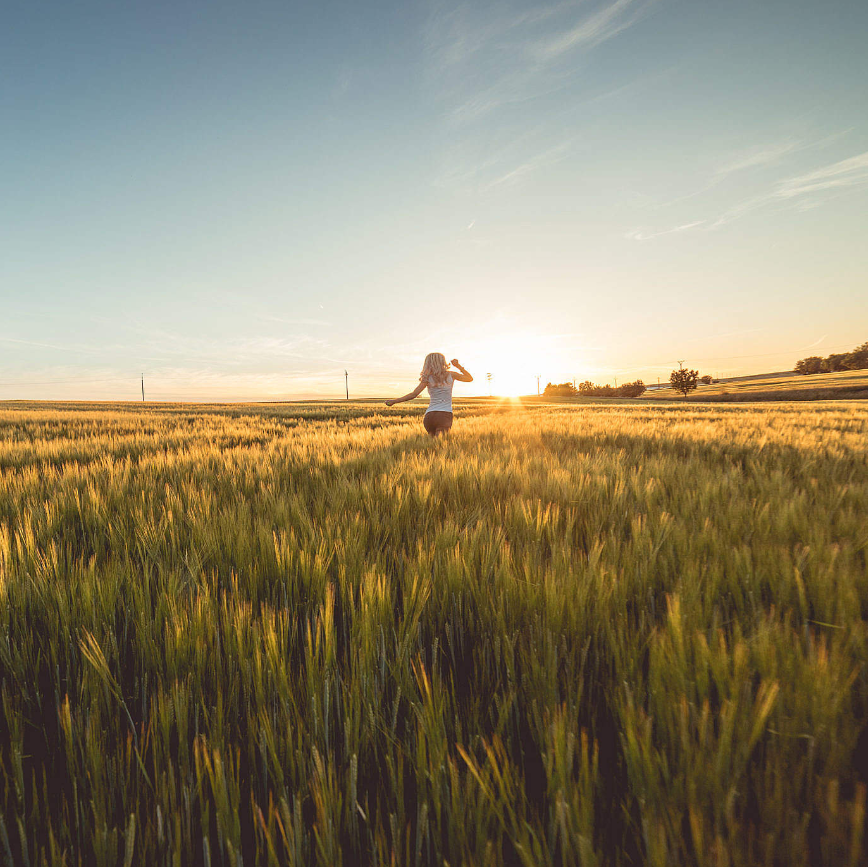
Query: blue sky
[(243, 201)]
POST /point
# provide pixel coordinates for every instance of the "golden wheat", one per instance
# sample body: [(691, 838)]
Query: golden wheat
[(310, 635)]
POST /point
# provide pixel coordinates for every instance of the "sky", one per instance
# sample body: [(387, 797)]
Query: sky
[(244, 201)]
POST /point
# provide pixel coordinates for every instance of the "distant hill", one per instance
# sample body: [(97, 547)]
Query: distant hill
[(786, 385), (783, 374)]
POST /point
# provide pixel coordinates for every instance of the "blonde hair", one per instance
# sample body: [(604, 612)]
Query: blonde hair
[(434, 370)]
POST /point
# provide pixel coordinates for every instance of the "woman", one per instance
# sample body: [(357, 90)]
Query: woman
[(437, 378)]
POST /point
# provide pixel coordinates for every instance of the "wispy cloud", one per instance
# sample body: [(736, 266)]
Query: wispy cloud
[(852, 172), (547, 157), (801, 192), (757, 158), (603, 23), (647, 235), (487, 62), (816, 343)]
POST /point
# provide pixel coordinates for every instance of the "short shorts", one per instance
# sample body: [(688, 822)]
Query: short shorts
[(437, 422)]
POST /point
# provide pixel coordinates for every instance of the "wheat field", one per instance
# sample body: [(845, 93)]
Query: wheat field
[(308, 634)]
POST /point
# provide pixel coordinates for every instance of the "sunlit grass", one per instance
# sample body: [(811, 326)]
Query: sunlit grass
[(311, 635)]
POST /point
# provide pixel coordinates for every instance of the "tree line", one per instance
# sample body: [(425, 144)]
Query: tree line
[(683, 380), (857, 359), (590, 389)]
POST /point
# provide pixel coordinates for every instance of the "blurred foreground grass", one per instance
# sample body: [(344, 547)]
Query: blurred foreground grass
[(307, 634)]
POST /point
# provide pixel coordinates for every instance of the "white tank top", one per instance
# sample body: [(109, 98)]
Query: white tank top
[(440, 396)]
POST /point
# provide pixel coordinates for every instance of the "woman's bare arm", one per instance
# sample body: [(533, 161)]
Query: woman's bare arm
[(464, 376), (414, 393)]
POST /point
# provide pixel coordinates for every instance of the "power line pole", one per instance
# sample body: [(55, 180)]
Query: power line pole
[(143, 388), (347, 383), (537, 383), (488, 377)]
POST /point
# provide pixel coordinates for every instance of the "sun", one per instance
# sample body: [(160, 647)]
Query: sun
[(515, 360), (508, 382)]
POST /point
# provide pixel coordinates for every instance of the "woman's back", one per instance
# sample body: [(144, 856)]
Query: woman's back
[(440, 396)]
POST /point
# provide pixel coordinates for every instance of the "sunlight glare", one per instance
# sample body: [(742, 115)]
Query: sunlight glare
[(514, 361)]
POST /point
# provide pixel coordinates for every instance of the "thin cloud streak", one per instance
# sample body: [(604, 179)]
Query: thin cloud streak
[(547, 157), (644, 235), (845, 173), (815, 343), (851, 172), (758, 157), (596, 28), (801, 191)]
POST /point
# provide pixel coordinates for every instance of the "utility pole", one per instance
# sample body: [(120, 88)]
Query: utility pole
[(488, 377), (616, 382), (537, 383), (143, 388), (347, 383)]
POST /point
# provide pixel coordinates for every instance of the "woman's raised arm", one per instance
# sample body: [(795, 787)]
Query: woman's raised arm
[(464, 376)]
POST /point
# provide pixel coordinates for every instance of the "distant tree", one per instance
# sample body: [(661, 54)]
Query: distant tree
[(835, 362), (684, 380), (811, 364), (628, 389), (632, 389), (858, 358), (706, 380), (561, 389)]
